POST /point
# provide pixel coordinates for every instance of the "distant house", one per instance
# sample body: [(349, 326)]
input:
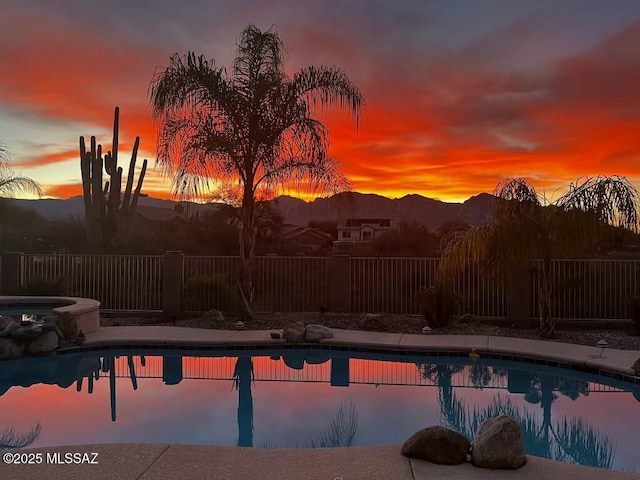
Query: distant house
[(298, 239), (356, 231)]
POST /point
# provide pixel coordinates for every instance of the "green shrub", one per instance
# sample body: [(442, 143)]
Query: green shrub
[(205, 292)]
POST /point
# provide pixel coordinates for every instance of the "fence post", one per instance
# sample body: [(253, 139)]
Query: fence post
[(339, 286), (172, 272), (520, 295), (10, 278)]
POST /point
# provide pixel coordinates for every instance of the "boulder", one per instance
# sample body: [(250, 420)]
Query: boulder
[(67, 326), (315, 333), (5, 321), (8, 326), (213, 316), (294, 332), (636, 368), (10, 348), (437, 445), (498, 444), (45, 343), (26, 333)]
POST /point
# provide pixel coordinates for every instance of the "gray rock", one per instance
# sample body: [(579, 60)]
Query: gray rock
[(375, 322), (45, 343), (498, 443), (315, 333), (27, 333), (10, 348), (294, 332), (5, 321), (9, 327), (437, 445)]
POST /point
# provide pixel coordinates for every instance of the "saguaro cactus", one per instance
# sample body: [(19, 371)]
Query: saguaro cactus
[(106, 215)]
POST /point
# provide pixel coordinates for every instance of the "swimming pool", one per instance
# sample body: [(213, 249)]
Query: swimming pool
[(298, 398)]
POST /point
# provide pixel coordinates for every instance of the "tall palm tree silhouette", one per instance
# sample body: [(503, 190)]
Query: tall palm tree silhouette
[(243, 377), (252, 128)]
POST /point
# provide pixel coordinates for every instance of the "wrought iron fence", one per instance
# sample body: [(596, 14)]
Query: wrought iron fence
[(585, 289), (119, 282), (582, 289), (281, 284)]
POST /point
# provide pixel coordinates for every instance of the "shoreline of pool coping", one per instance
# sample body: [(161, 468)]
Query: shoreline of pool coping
[(613, 362)]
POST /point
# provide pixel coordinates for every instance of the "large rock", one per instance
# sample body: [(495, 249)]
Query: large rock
[(315, 333), (27, 333), (498, 443), (45, 343), (5, 321), (294, 332), (10, 348), (8, 326), (437, 445)]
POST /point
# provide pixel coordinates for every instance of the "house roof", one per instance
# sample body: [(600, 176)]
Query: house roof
[(359, 222), (290, 232)]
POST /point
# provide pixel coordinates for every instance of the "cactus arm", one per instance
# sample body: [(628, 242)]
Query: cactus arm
[(126, 202)]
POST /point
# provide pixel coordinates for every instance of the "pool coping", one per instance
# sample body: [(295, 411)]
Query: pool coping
[(612, 362)]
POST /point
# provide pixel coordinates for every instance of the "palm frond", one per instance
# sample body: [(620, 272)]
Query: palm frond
[(341, 431), (328, 86), (10, 440), (613, 200)]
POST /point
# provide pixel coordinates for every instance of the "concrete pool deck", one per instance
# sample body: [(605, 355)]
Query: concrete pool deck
[(162, 461)]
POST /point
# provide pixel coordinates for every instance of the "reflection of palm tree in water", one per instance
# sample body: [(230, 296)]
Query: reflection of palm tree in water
[(567, 440), (10, 440), (243, 376)]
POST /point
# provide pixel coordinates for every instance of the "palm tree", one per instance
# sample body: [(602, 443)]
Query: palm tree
[(527, 226), (10, 183), (251, 128)]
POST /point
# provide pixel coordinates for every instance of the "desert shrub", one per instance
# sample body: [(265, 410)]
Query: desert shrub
[(438, 303), (205, 292)]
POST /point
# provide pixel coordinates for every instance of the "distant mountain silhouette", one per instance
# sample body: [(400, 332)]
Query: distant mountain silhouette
[(476, 210)]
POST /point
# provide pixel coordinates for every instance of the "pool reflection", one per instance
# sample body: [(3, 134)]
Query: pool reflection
[(299, 398)]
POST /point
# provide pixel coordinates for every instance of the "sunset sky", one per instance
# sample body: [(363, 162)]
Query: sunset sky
[(459, 93)]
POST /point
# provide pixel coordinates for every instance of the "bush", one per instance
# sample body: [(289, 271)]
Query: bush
[(205, 292), (438, 304)]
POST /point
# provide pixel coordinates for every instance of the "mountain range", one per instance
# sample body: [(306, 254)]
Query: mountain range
[(476, 210)]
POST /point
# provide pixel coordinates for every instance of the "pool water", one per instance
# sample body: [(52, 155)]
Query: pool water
[(313, 398)]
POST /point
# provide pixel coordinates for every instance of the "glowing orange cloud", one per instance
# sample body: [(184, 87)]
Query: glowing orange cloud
[(445, 125)]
